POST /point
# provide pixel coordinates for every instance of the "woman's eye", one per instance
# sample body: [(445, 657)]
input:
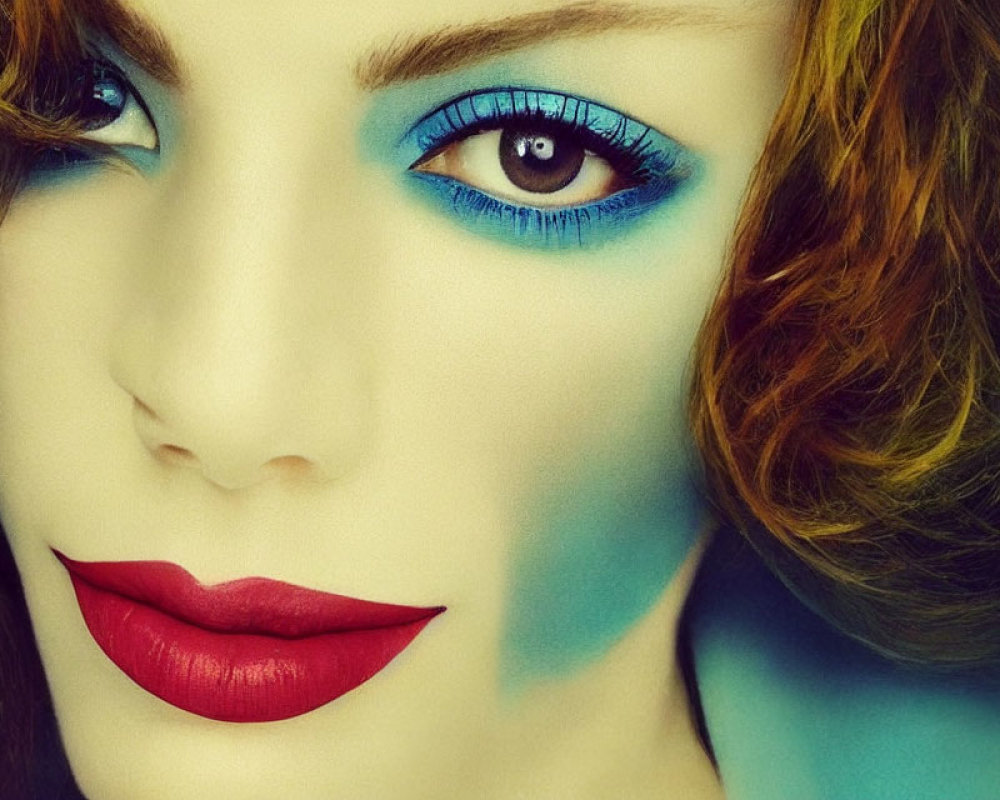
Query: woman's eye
[(544, 168), (109, 112), (537, 165)]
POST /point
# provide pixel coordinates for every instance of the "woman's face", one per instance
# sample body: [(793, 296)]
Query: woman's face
[(337, 329)]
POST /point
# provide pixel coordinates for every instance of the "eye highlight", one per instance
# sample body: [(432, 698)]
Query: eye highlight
[(545, 169)]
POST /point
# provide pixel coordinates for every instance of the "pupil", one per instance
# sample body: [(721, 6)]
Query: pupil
[(539, 161)]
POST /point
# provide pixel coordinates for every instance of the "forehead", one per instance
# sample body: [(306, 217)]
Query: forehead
[(258, 31)]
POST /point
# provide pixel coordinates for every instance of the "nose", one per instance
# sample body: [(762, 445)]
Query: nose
[(240, 355)]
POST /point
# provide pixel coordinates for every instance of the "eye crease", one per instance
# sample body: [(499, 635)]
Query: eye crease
[(544, 169)]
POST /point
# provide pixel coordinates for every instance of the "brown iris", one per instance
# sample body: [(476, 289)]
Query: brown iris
[(538, 161)]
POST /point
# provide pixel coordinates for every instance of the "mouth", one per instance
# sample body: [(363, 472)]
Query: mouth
[(248, 650)]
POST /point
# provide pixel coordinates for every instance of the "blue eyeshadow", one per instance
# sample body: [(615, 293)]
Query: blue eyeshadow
[(656, 167)]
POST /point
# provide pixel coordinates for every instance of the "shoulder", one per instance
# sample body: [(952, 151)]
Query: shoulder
[(796, 711)]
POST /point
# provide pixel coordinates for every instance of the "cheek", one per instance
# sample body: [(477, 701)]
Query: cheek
[(56, 311), (607, 509), (573, 380)]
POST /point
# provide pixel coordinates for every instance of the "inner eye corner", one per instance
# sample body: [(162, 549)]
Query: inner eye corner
[(426, 158)]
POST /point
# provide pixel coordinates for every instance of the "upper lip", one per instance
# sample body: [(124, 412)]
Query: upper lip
[(247, 605)]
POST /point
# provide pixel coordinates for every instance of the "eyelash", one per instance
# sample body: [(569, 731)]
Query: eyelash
[(654, 164)]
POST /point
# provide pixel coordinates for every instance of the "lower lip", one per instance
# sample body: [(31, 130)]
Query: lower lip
[(235, 677)]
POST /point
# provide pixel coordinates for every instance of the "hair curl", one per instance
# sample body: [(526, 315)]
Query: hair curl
[(846, 396)]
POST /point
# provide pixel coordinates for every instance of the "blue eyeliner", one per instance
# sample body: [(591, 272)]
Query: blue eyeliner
[(655, 166)]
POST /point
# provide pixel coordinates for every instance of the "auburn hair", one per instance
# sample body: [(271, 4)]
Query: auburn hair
[(846, 397)]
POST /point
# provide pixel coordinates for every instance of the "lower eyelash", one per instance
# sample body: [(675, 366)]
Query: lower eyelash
[(55, 165), (554, 228), (55, 158), (559, 227)]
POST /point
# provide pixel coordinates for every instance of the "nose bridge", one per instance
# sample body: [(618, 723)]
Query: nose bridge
[(224, 346)]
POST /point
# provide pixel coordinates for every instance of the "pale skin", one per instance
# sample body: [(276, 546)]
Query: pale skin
[(263, 358)]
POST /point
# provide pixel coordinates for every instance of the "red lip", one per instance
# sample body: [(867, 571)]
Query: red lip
[(249, 650)]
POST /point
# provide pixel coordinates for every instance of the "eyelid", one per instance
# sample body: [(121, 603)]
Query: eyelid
[(465, 113)]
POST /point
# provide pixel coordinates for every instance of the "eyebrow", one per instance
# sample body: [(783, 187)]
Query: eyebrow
[(451, 47)]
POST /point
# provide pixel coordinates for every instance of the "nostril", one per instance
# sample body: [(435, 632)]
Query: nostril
[(290, 466), (172, 454)]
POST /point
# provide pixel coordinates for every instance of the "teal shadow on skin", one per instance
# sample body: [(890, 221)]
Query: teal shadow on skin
[(588, 570), (797, 711)]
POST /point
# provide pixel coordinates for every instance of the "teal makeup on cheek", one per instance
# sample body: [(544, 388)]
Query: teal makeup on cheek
[(588, 569), (655, 169)]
